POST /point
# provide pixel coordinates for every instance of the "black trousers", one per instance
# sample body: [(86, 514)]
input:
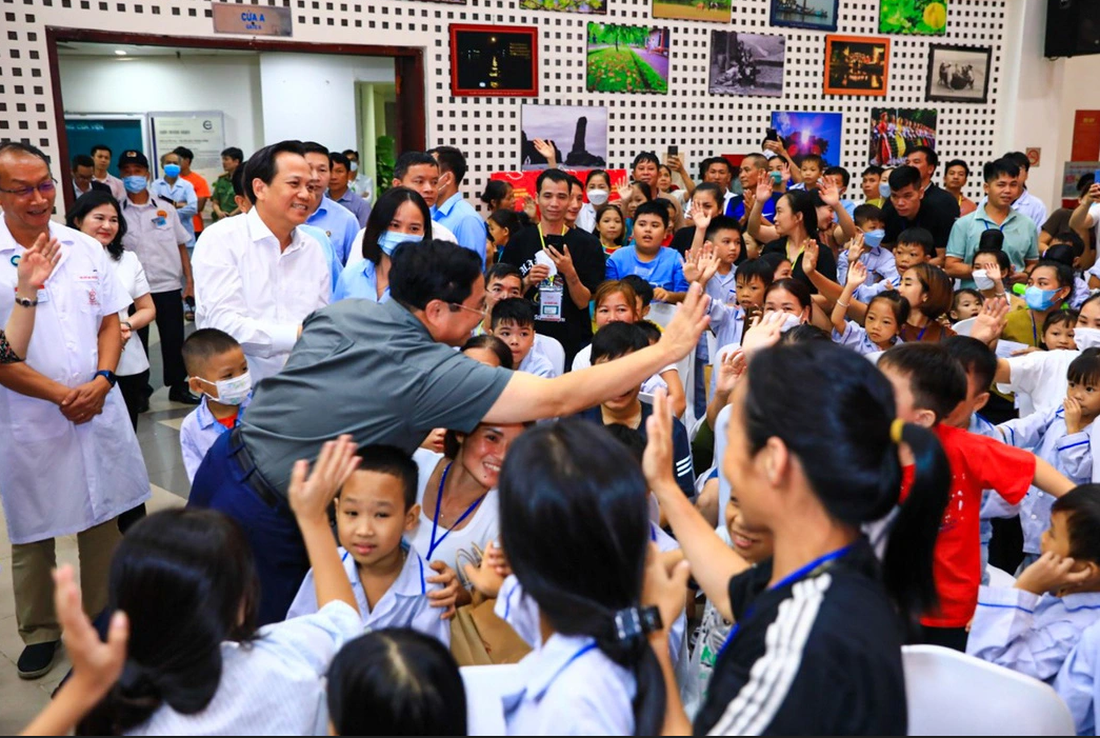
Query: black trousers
[(948, 637), (133, 393), (170, 325)]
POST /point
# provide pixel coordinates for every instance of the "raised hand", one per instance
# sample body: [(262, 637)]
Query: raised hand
[(546, 149), (857, 274), (830, 193), (991, 321), (310, 497), (37, 263), (682, 333), (625, 191), (730, 370), (765, 333), (764, 189), (657, 461), (1093, 194), (855, 248), (810, 253)]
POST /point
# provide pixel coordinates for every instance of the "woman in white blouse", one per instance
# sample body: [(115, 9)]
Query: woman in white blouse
[(97, 214), (196, 664)]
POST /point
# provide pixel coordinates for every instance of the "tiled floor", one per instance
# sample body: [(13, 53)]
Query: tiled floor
[(158, 434)]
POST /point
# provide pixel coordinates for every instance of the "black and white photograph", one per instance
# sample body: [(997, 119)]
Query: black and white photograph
[(958, 73), (747, 63), (578, 134)]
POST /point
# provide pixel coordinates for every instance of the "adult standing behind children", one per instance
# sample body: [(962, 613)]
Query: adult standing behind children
[(258, 277), (386, 372), (69, 459), (561, 267)]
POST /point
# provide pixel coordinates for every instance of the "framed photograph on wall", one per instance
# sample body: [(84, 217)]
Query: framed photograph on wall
[(856, 65), (913, 17), (895, 131), (494, 61), (810, 133), (627, 58), (591, 7), (698, 10), (747, 63), (817, 15), (578, 134), (958, 73)]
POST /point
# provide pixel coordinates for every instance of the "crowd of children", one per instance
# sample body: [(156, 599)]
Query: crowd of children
[(899, 411)]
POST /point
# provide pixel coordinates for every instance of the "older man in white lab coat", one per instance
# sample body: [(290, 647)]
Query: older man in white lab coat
[(69, 460)]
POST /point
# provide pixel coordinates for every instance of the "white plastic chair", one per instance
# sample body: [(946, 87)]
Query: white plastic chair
[(950, 693), (963, 327), (552, 349), (484, 687), (1000, 577)]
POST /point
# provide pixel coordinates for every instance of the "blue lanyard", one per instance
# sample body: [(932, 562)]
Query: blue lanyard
[(792, 577), (435, 519)]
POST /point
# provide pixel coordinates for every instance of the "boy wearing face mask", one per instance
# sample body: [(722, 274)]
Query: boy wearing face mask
[(219, 374), (882, 271)]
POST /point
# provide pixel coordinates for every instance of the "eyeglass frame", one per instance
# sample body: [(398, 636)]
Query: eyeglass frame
[(459, 306), (50, 185)]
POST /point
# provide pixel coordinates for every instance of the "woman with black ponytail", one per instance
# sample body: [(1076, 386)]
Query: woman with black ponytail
[(814, 452), (575, 527)]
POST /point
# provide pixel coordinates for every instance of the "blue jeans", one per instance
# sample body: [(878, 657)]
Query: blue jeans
[(272, 532)]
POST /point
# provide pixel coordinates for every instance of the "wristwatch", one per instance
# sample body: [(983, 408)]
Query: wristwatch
[(108, 375), (26, 302)]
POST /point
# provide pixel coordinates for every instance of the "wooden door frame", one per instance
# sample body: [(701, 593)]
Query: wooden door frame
[(408, 77)]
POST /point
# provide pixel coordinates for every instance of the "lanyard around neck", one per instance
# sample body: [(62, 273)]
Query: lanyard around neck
[(433, 544)]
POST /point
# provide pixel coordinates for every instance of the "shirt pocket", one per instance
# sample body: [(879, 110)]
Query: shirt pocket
[(89, 294)]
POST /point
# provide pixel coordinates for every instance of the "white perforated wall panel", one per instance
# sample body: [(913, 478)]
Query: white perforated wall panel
[(489, 128)]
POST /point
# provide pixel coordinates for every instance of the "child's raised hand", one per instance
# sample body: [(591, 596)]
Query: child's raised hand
[(657, 461), (765, 333), (310, 497), (991, 321), (1073, 415), (855, 248), (731, 368), (625, 189), (857, 274), (1050, 573), (993, 271), (701, 220)]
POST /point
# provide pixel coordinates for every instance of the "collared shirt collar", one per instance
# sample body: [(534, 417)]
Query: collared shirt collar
[(58, 231), (981, 215), (444, 209), (410, 582), (151, 202), (259, 232), (534, 676), (206, 417)]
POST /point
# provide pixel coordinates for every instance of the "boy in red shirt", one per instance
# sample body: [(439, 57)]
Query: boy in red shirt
[(928, 385)]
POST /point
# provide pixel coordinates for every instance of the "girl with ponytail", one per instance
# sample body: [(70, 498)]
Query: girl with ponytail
[(815, 451), (575, 528)]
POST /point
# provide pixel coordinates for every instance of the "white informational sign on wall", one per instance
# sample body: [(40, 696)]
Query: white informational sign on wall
[(203, 132)]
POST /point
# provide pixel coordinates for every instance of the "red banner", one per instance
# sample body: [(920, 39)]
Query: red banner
[(524, 182), (1086, 136)]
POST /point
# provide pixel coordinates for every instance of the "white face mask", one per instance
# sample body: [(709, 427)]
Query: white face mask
[(354, 166), (231, 391), (982, 280), (791, 321), (598, 197)]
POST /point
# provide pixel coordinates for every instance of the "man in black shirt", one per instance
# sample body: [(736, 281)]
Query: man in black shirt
[(573, 255), (910, 208), (925, 160)]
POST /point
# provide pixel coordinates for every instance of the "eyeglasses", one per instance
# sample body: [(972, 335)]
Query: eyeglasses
[(46, 189), (457, 306)]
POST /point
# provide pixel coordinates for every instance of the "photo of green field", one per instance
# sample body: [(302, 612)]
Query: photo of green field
[(627, 58), (717, 11)]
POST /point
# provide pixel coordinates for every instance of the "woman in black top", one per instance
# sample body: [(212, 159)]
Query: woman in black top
[(797, 222), (813, 453)]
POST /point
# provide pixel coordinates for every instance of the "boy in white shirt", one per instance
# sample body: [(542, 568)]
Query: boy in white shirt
[(374, 509), (218, 373), (513, 321)]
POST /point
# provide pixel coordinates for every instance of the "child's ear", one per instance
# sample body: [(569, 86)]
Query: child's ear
[(412, 516), (925, 418), (195, 386), (980, 401)]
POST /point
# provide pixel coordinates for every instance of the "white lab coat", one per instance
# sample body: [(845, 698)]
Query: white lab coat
[(57, 478)]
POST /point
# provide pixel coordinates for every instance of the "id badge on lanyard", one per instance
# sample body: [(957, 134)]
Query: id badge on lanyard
[(551, 298)]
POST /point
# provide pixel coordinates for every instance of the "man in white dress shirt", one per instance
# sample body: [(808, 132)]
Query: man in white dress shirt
[(258, 275), (69, 460), (1027, 203)]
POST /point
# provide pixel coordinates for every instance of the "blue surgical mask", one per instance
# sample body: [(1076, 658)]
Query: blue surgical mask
[(171, 170), (390, 240), (135, 183), (1039, 299), (884, 190), (874, 238)]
